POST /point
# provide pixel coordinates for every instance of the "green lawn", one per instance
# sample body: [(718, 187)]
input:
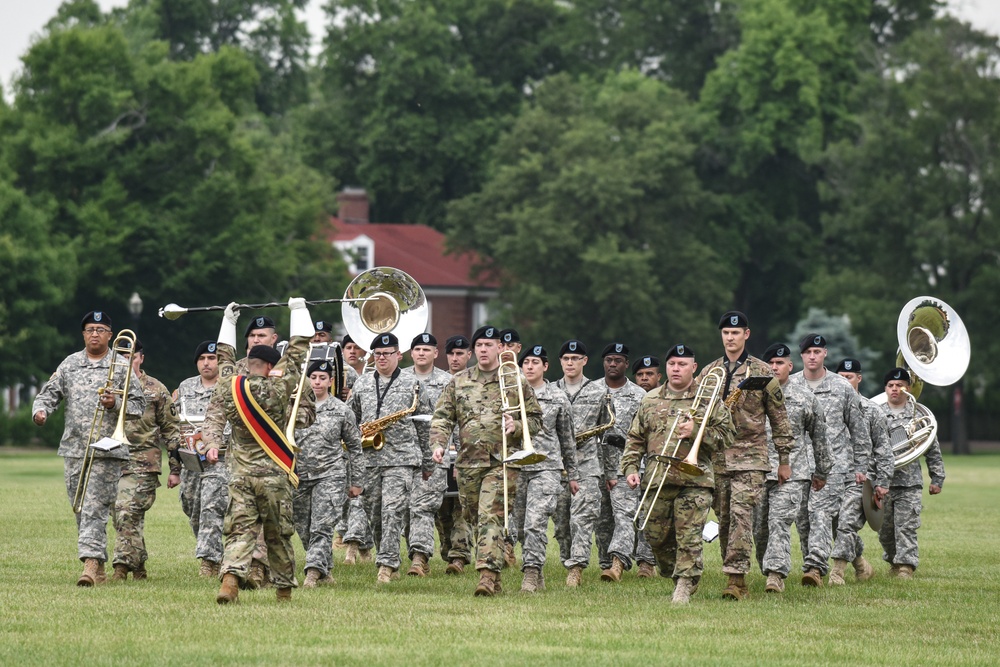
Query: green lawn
[(950, 614)]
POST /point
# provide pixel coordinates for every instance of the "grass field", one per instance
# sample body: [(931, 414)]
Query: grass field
[(949, 615)]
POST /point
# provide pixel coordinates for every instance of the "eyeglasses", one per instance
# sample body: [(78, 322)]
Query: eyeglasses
[(571, 358), (383, 354), (96, 330)]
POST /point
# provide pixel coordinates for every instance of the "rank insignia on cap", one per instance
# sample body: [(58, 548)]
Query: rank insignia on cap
[(818, 340), (425, 338), (734, 320), (572, 346), (780, 352), (680, 350), (618, 348), (98, 315), (260, 321), (385, 340), (848, 365), (489, 332), (537, 349), (211, 348)]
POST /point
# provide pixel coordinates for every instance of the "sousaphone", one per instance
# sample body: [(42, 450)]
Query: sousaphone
[(384, 300)]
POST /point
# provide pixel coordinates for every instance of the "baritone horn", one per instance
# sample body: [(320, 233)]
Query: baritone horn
[(708, 394), (123, 344)]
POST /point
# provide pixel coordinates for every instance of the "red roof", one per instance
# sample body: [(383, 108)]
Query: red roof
[(417, 249)]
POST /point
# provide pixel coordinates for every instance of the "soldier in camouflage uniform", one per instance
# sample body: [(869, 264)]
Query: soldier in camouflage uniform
[(589, 400), (615, 530), (428, 494), (844, 429), (809, 465), (875, 462), (646, 372), (541, 483), (208, 489), (322, 467), (455, 534), (472, 402), (77, 381), (405, 458), (141, 473), (677, 516), (740, 469), (903, 503), (260, 489)]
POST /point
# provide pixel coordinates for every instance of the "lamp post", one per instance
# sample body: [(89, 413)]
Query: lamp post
[(135, 307)]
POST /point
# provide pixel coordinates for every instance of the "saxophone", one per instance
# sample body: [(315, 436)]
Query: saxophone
[(584, 436), (371, 432)]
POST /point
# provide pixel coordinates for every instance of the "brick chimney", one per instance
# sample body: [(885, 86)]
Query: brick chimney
[(353, 206)]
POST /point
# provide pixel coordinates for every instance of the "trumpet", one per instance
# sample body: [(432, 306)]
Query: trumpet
[(123, 344), (708, 394)]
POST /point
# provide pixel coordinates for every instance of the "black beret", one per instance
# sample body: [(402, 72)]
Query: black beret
[(347, 339), (615, 348), (424, 339), (680, 350), (96, 317), (385, 340), (259, 322), (535, 351), (324, 326), (265, 353), (205, 347), (649, 361), (734, 318), (849, 365), (573, 345), (776, 350), (128, 344), (510, 336), (812, 340), (457, 343), (896, 374), (486, 331), (321, 365)]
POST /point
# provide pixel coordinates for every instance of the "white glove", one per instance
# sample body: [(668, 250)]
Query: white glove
[(227, 332), (300, 323)]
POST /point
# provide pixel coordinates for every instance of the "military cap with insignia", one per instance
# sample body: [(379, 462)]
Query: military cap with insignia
[(265, 353), (615, 348), (510, 336), (205, 347), (896, 374), (776, 350), (126, 344), (679, 350), (573, 346), (486, 331), (260, 322), (323, 326), (734, 319), (96, 317), (849, 365), (457, 343), (384, 340), (347, 339), (812, 340), (424, 339), (321, 365), (534, 351), (649, 361)]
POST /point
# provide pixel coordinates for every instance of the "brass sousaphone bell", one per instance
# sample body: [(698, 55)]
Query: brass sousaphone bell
[(384, 300)]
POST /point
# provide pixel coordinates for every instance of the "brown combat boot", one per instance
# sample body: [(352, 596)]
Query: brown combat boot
[(338, 542), (509, 559), (283, 594), (365, 556), (645, 571), (497, 586), (812, 577), (905, 572), (351, 556), (836, 577), (385, 574), (102, 575), (863, 570), (574, 576), (230, 589), (140, 573), (893, 570), (456, 566), (419, 567), (208, 569), (775, 584), (89, 576), (613, 573), (312, 578), (530, 582), (736, 589), (255, 577), (683, 590), (121, 572), (487, 584), (541, 579)]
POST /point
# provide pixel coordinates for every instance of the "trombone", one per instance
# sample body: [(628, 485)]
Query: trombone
[(123, 345), (509, 377), (708, 394)]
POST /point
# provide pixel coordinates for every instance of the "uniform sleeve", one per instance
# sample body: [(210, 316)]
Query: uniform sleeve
[(817, 434), (445, 417), (720, 432), (214, 427), (532, 410), (860, 437), (635, 444), (350, 435), (884, 461), (423, 428), (935, 464), (567, 441), (170, 431), (354, 405), (52, 392), (777, 416)]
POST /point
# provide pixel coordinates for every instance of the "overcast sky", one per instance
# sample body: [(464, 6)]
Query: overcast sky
[(23, 20)]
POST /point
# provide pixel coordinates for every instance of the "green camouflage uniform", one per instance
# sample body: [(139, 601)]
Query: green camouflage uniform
[(141, 473), (740, 468), (472, 401), (259, 491), (76, 381), (679, 513)]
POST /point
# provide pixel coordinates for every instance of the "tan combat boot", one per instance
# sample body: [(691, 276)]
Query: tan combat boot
[(419, 566), (386, 574), (456, 566), (574, 576), (121, 572), (775, 584), (338, 542), (905, 572), (365, 556), (863, 570), (89, 576), (140, 573), (509, 559), (836, 577), (487, 584), (541, 579), (812, 577), (682, 591), (255, 577), (613, 573), (283, 594), (208, 569), (497, 586), (326, 580), (645, 571), (530, 582), (312, 578), (893, 570), (351, 557), (102, 575), (736, 589), (230, 589)]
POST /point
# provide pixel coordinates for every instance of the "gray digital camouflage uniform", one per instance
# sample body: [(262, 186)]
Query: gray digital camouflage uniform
[(76, 381), (191, 399), (904, 502)]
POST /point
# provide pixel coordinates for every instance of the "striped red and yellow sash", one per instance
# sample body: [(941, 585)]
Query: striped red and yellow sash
[(265, 431)]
